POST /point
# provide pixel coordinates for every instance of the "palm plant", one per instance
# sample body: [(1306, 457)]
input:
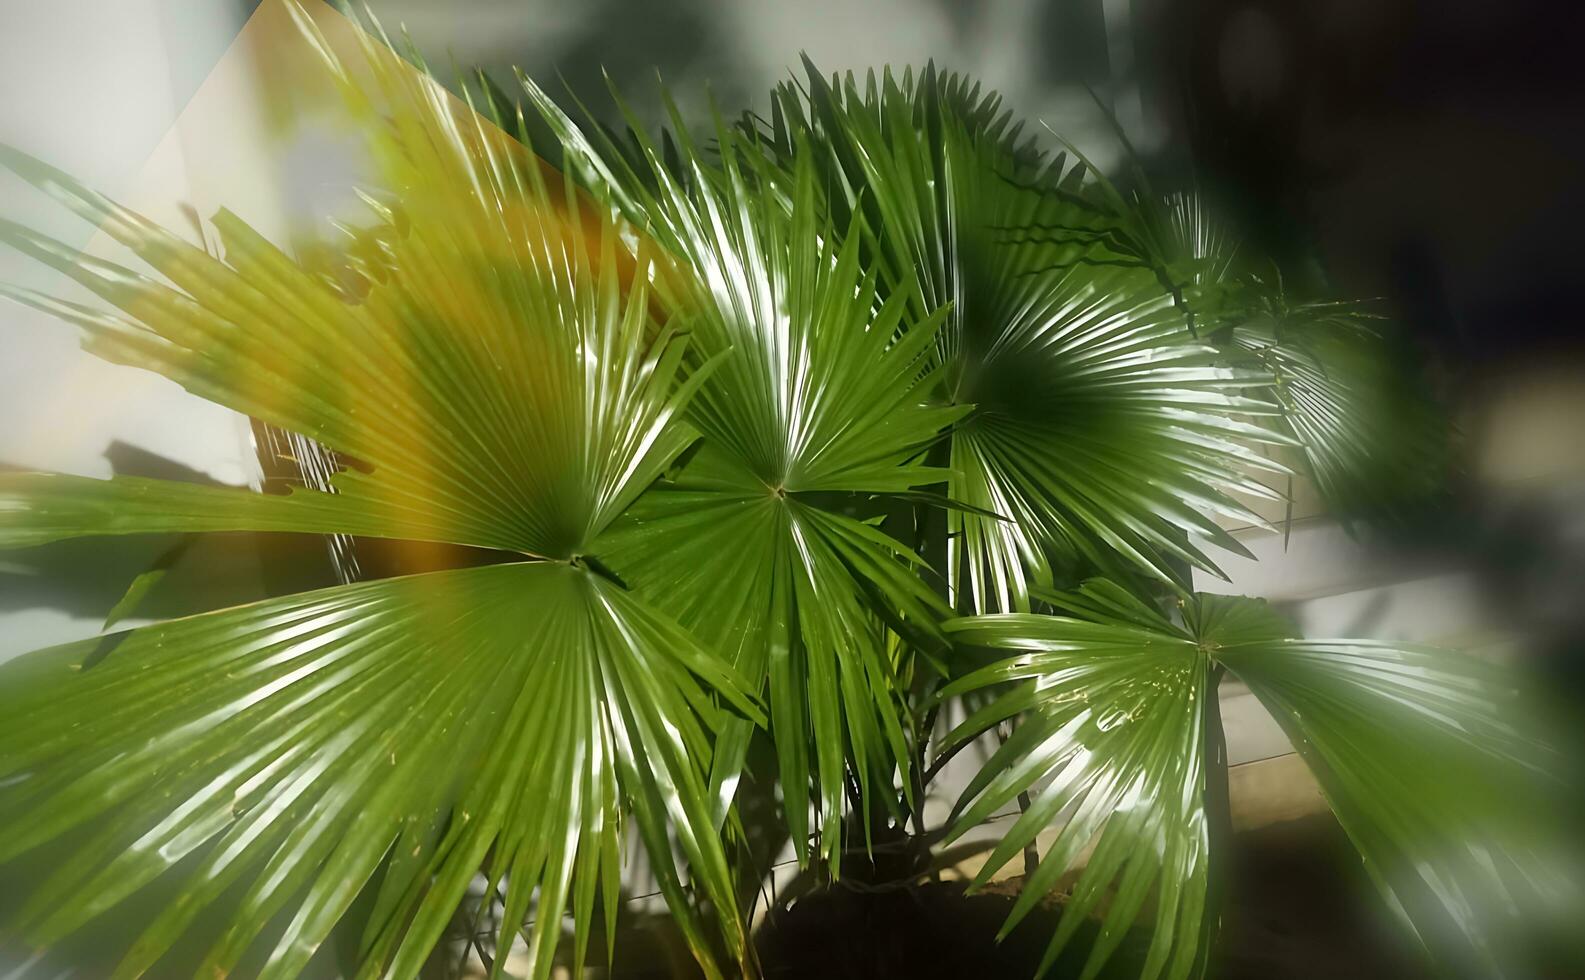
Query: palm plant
[(865, 408)]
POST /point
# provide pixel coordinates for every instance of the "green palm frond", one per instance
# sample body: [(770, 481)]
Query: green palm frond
[(1112, 729), (1414, 749), (499, 381), (1370, 435), (1198, 244), (503, 390), (1445, 796), (819, 399), (504, 718), (1102, 428)]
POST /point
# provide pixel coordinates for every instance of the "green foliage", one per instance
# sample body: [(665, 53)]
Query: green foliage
[(799, 434), (502, 718), (1103, 428), (821, 392), (1419, 755), (1112, 728)]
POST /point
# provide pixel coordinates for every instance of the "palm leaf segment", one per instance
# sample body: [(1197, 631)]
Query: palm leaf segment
[(1102, 428), (501, 384), (1371, 437), (1446, 796), (1368, 432), (1113, 725), (817, 404), (1440, 793)]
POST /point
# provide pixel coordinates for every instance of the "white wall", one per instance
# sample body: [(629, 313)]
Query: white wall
[(94, 86)]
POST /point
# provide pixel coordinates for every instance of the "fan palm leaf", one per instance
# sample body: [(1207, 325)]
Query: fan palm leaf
[(1112, 700), (1113, 718), (1418, 752), (1369, 435), (501, 383), (1103, 429), (820, 402), (1367, 432)]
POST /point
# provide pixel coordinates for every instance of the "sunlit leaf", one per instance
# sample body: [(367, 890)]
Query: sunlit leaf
[(1102, 427), (503, 718), (1367, 429), (1420, 754), (1371, 436), (820, 392), (1415, 749), (504, 387), (1112, 731), (497, 379)]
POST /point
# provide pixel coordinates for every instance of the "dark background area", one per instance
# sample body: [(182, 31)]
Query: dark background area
[(1431, 152)]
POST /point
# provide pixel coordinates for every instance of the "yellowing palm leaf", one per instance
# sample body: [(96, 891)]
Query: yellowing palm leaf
[(503, 384)]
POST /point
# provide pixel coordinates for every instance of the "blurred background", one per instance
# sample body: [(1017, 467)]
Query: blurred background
[(1426, 153)]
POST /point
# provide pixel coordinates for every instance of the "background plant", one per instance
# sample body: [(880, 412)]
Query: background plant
[(804, 430)]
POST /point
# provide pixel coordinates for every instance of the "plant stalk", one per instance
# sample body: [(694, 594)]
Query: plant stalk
[(1218, 815)]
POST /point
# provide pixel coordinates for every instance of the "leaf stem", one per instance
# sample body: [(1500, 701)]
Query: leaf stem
[(1218, 812)]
